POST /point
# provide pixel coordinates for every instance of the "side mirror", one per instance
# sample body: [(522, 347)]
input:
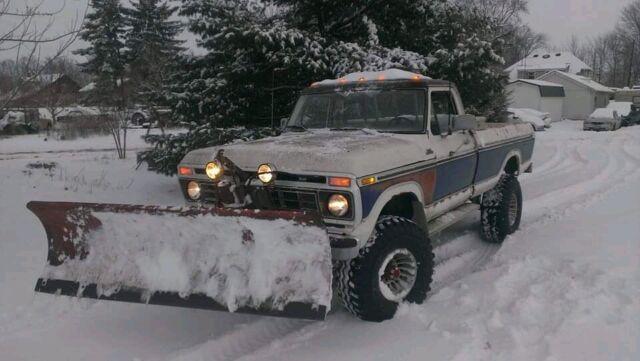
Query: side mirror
[(464, 122), (283, 122)]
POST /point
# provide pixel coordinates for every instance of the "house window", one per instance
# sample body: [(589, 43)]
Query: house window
[(531, 75)]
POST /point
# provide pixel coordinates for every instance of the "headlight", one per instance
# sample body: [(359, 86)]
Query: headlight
[(213, 169), (266, 173), (193, 190), (338, 205)]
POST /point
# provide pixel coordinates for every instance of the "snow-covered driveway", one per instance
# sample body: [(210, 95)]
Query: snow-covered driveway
[(564, 287)]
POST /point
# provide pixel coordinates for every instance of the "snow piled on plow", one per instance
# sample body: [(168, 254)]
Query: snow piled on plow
[(237, 261)]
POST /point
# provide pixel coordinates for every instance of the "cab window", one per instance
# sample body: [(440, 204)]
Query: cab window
[(443, 109)]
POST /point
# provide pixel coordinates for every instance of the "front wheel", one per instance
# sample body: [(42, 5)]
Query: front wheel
[(501, 209), (396, 265)]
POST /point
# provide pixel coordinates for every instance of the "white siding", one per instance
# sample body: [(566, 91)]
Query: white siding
[(553, 106), (523, 95), (579, 102)]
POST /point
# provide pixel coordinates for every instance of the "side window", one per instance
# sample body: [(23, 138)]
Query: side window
[(443, 109)]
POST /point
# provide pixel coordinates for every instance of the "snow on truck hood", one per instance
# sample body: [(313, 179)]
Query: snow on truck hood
[(358, 152)]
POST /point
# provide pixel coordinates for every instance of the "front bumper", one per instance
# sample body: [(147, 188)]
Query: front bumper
[(597, 126)]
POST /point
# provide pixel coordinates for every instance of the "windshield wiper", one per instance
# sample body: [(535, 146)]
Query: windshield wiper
[(346, 129), (297, 127)]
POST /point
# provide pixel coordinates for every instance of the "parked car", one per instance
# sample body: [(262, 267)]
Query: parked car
[(623, 109), (148, 117), (72, 114), (19, 122), (603, 119), (546, 117), (527, 116), (633, 118)]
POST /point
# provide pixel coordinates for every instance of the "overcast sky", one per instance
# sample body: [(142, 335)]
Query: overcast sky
[(559, 19)]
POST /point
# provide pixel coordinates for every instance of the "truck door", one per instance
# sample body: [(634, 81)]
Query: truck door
[(455, 151)]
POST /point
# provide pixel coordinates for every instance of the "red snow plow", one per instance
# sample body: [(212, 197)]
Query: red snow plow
[(266, 262)]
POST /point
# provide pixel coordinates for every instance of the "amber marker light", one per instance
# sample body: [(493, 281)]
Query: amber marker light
[(416, 77), (368, 181), (185, 171), (340, 182), (342, 81), (380, 77)]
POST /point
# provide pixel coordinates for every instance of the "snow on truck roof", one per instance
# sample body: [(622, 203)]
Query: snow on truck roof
[(370, 76)]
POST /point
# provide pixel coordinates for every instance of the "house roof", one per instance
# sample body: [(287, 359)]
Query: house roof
[(547, 89), (543, 60), (585, 82), (539, 83)]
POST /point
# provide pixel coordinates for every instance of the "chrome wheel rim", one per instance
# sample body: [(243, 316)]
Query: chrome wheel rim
[(513, 209), (397, 275)]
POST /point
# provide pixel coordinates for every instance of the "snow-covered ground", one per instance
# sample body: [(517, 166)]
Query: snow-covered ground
[(566, 286)]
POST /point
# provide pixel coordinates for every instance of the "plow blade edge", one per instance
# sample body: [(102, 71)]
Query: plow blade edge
[(267, 262)]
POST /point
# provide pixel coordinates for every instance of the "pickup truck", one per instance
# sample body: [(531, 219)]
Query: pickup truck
[(388, 159)]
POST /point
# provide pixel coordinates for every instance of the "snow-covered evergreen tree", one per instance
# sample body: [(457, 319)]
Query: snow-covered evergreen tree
[(151, 47), (104, 29), (259, 54)]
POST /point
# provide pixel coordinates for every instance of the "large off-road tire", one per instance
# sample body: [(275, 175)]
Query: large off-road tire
[(396, 265), (501, 209)]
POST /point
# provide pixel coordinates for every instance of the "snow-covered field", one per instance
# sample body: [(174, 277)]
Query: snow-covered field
[(564, 287)]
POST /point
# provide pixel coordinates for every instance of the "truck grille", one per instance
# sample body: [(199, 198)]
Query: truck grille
[(294, 199), (278, 197)]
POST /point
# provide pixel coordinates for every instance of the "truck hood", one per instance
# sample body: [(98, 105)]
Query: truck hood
[(359, 152)]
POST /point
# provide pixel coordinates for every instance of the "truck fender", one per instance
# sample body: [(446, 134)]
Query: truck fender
[(513, 153), (365, 229)]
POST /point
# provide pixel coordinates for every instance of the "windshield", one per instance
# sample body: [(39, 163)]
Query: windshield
[(384, 110)]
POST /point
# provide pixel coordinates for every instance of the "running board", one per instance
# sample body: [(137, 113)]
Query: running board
[(450, 218)]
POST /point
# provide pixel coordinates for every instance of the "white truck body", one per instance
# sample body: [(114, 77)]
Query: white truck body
[(423, 174)]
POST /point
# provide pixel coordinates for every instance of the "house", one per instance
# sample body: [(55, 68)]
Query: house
[(48, 90), (582, 95), (539, 95), (542, 62)]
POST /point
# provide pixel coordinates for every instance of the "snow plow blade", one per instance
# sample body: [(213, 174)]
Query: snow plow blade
[(267, 262)]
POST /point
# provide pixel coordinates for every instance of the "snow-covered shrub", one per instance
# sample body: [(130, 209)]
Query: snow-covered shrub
[(259, 55), (169, 149)]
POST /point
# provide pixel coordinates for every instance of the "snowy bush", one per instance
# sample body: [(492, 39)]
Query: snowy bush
[(169, 149), (259, 55)]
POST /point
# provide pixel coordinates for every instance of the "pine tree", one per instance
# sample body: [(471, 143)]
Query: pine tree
[(151, 47), (260, 54), (104, 29)]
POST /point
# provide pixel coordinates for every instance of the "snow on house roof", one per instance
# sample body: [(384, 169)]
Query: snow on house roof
[(586, 82), (49, 78), (389, 74), (539, 83), (542, 60), (87, 88)]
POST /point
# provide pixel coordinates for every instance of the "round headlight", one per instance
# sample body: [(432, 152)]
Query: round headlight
[(213, 169), (193, 190), (338, 205), (266, 173)]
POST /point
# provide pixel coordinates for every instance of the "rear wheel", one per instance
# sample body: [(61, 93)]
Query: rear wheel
[(137, 119), (501, 209), (396, 265)]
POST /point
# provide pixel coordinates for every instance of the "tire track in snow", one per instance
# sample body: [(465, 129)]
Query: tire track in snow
[(241, 341)]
